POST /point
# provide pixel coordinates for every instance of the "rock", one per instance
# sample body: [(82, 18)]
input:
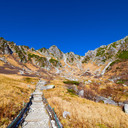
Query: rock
[(105, 100), (48, 87), (40, 84), (125, 85), (81, 93), (126, 108), (121, 104), (7, 49), (21, 72), (104, 70), (3, 59), (75, 88), (88, 82), (44, 51), (65, 113), (56, 52), (72, 58), (53, 124)]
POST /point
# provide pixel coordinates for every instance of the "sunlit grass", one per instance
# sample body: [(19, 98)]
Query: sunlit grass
[(14, 91), (84, 113)]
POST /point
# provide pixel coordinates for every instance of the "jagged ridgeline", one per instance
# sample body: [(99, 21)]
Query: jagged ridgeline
[(115, 51), (43, 57), (53, 57)]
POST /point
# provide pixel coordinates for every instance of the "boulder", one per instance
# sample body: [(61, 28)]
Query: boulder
[(47, 87), (126, 108), (65, 113), (105, 100), (81, 93), (21, 72)]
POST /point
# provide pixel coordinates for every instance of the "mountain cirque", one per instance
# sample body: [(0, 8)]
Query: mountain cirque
[(101, 75)]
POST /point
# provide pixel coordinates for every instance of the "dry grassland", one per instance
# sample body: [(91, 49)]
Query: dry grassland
[(14, 91), (84, 113)]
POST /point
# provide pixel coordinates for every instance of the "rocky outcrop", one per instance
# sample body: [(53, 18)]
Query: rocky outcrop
[(4, 47), (106, 53), (105, 100), (56, 52), (72, 58), (44, 51)]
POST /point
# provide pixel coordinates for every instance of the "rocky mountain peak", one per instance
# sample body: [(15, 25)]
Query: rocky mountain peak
[(56, 52)]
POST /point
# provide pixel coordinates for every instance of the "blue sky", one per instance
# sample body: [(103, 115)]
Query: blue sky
[(72, 25)]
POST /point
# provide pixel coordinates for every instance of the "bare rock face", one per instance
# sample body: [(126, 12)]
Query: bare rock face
[(4, 48), (72, 58), (44, 51), (56, 52), (106, 52)]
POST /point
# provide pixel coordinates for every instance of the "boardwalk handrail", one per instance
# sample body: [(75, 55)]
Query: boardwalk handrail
[(17, 121), (52, 113)]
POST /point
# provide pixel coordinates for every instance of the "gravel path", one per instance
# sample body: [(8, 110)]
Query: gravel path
[(37, 116)]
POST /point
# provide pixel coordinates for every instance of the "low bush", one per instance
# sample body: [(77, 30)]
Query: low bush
[(71, 91), (71, 82), (123, 55), (53, 61)]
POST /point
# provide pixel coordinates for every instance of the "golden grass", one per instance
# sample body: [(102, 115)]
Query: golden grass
[(1, 63), (31, 67), (84, 113), (13, 92), (13, 62)]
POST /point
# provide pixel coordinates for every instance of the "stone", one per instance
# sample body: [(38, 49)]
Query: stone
[(104, 70), (53, 124), (65, 113), (49, 87), (81, 93), (21, 72), (125, 85), (105, 100), (3, 59), (56, 52), (75, 88), (126, 108)]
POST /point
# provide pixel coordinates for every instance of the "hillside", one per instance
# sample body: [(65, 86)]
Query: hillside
[(80, 82)]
